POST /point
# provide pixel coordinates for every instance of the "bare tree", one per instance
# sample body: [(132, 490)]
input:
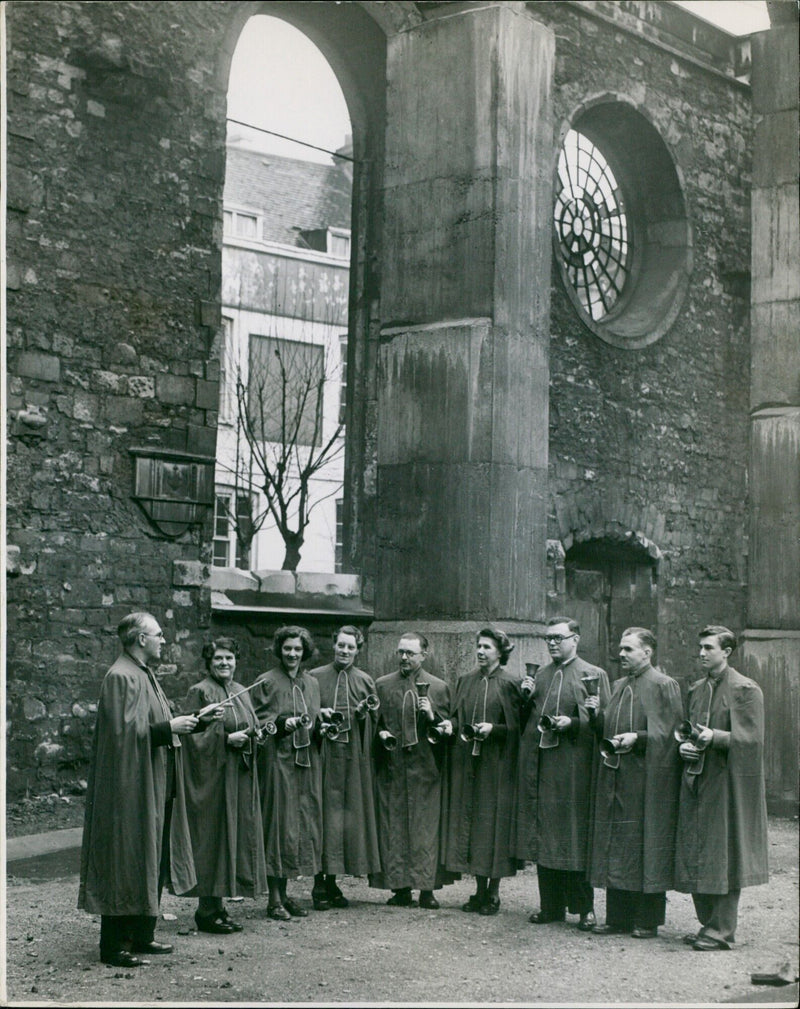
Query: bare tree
[(287, 430)]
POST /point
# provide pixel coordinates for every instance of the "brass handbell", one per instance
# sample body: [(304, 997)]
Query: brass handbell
[(687, 732), (369, 703)]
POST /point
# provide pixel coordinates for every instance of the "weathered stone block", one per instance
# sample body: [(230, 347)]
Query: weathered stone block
[(175, 389), (44, 367), (190, 573), (207, 397), (328, 584)]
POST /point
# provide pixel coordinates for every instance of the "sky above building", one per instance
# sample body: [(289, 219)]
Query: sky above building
[(281, 82)]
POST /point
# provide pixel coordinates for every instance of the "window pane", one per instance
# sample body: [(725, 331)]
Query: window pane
[(284, 394), (246, 226)]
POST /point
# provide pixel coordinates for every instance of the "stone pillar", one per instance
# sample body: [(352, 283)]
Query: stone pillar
[(771, 649), (463, 387)]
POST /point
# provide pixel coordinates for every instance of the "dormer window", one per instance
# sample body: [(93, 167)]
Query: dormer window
[(240, 224), (333, 242)]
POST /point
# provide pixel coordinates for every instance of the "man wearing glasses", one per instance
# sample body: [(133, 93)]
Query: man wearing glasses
[(555, 775), (413, 724), (135, 836)]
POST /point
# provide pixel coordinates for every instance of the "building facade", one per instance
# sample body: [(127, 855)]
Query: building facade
[(553, 330)]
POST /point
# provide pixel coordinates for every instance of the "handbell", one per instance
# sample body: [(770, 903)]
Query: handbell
[(388, 739), (434, 733), (591, 683), (330, 730), (531, 669), (369, 703), (469, 733), (336, 718), (547, 724), (686, 732), (304, 720), (423, 688), (608, 747)]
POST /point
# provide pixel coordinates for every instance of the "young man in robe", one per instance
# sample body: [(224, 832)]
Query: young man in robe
[(722, 817)]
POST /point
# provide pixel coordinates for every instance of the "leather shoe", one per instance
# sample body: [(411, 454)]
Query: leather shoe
[(320, 902), (543, 918), (608, 930), (294, 908), (402, 898), (151, 947), (278, 912), (213, 923), (491, 906), (587, 922), (475, 903), (427, 900), (121, 958), (644, 933), (706, 943), (229, 921), (690, 938), (336, 898)]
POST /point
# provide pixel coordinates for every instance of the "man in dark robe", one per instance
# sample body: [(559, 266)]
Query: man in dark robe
[(555, 776), (722, 817), (136, 836), (409, 776), (636, 800), (349, 833)]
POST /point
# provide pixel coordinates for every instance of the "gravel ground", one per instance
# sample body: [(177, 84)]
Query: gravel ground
[(372, 953)]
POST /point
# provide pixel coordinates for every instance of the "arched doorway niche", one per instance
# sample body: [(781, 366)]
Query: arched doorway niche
[(611, 584)]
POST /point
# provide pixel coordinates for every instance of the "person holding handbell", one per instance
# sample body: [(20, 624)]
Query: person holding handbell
[(222, 793), (290, 769)]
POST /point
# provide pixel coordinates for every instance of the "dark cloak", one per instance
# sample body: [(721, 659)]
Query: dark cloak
[(722, 819), (636, 805), (555, 784), (126, 799), (291, 793), (349, 832), (481, 827), (410, 790), (222, 798)]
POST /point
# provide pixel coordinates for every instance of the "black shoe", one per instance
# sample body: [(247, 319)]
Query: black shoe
[(320, 900), (224, 916), (587, 922), (278, 912), (490, 906), (294, 909), (645, 933), (213, 923), (544, 918), (121, 958), (401, 898), (690, 938), (474, 904), (151, 947), (336, 898), (608, 930), (427, 900)]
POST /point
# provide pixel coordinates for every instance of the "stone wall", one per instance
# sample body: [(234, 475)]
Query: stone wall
[(115, 171), (654, 440)]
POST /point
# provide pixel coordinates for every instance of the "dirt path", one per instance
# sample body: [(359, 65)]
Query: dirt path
[(372, 953)]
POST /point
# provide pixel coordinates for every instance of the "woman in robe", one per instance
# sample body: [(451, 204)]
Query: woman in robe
[(481, 825), (291, 787), (222, 793)]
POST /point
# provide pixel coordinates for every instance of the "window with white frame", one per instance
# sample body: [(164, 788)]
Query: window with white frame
[(240, 224), (284, 392), (228, 552), (339, 243)]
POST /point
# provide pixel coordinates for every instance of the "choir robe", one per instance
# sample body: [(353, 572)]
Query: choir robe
[(410, 788), (555, 783), (349, 832), (481, 827), (291, 790), (126, 799), (222, 797), (722, 818), (636, 805)]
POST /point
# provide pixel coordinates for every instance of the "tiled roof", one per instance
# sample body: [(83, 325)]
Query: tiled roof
[(292, 194)]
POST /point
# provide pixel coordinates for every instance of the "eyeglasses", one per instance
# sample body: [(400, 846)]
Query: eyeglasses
[(556, 639), (159, 635), (405, 652)]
